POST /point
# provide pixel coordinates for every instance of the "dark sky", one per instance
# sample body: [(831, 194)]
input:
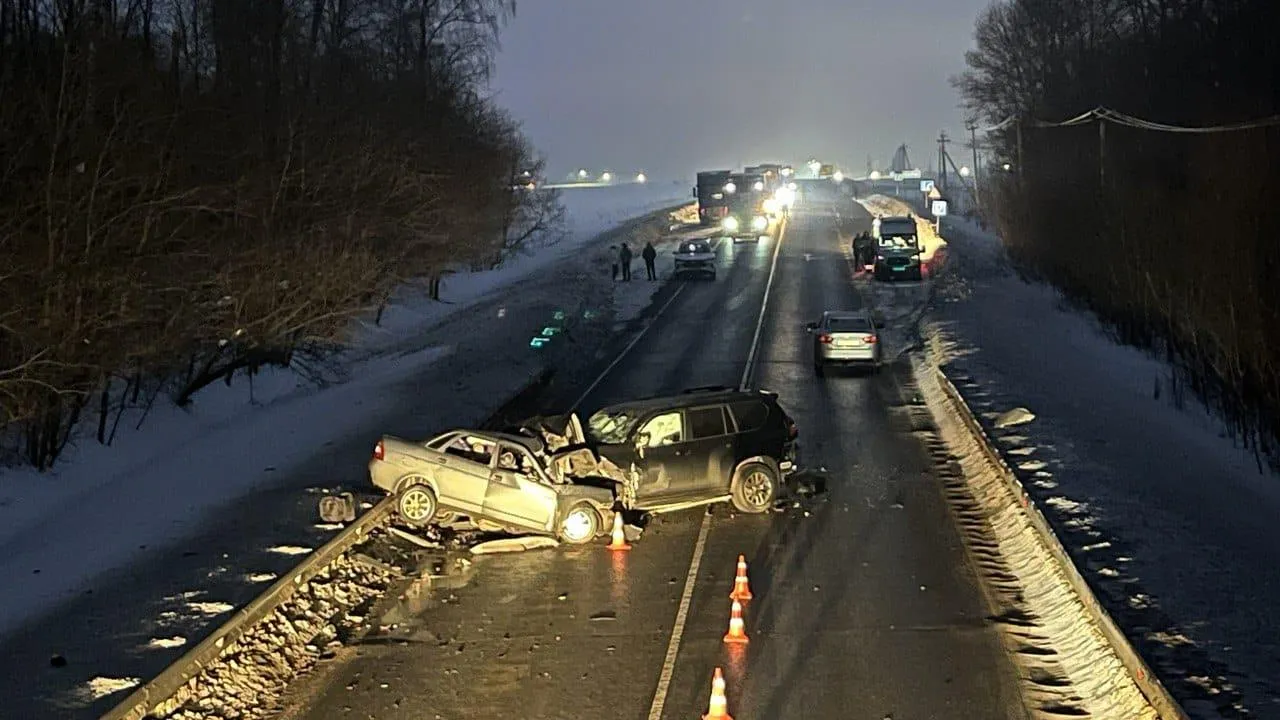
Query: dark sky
[(673, 86)]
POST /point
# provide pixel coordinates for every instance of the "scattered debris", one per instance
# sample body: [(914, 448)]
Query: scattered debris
[(167, 643), (260, 577), (338, 508), (516, 544), (289, 550), (410, 537), (1016, 416), (101, 687), (251, 675), (210, 608), (604, 615)]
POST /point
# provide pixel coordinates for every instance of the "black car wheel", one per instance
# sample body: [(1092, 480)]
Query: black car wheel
[(754, 488)]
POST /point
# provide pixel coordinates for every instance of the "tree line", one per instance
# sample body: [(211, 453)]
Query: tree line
[(1166, 235), (191, 189)]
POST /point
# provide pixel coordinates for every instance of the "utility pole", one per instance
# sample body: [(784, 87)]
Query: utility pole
[(973, 145), (942, 159)]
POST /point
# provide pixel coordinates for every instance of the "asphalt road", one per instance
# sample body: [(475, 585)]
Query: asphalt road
[(865, 603), (105, 631)]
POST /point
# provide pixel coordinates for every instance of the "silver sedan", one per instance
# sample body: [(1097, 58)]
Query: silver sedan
[(845, 338)]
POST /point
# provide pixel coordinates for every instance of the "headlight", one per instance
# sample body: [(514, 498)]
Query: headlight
[(758, 187), (730, 223), (771, 205), (759, 223), (730, 188), (785, 196)]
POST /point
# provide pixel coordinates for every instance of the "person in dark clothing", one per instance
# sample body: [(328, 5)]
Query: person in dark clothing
[(650, 255), (614, 249), (624, 259), (862, 249)]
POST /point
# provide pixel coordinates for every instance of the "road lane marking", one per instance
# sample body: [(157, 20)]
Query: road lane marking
[(682, 616), (764, 305), (634, 341), (699, 547)]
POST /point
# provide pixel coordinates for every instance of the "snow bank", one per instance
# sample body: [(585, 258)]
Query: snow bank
[(590, 211), (158, 483), (1179, 537), (1067, 666)]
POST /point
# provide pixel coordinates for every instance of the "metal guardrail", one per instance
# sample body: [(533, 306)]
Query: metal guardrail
[(186, 668), (140, 703), (1148, 684)]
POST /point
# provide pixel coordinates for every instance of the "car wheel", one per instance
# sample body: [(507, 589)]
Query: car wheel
[(755, 486), (416, 505), (580, 525)]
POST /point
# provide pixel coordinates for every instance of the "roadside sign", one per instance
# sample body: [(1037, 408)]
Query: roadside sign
[(934, 194), (911, 174), (939, 208), (926, 186)]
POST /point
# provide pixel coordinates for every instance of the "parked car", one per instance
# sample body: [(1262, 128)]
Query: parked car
[(500, 481), (701, 446), (845, 338)]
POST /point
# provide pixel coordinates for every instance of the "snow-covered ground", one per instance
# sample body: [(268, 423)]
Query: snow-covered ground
[(1174, 526), (103, 507)]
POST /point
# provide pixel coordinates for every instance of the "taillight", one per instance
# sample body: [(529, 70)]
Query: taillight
[(870, 339), (379, 451), (824, 338)]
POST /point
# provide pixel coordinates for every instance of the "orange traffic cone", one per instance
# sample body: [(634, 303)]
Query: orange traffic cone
[(741, 590), (737, 629), (718, 709), (619, 540)]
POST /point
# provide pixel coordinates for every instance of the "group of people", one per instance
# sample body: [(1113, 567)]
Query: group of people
[(623, 261)]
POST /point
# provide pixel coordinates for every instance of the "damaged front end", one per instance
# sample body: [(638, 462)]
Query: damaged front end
[(570, 458)]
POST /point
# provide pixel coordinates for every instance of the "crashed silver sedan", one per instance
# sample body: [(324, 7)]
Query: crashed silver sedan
[(498, 481)]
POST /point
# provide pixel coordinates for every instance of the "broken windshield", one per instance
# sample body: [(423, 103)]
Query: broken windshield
[(612, 427)]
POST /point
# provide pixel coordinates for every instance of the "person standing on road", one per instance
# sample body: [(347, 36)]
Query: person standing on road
[(649, 255), (624, 259), (614, 250)]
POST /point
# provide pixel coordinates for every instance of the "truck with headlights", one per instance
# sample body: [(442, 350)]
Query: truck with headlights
[(745, 220), (713, 190)]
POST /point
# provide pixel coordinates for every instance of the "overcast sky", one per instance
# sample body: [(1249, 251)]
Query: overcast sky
[(675, 86)]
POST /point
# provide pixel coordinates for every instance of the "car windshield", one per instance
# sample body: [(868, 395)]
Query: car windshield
[(848, 324), (898, 242), (612, 427)]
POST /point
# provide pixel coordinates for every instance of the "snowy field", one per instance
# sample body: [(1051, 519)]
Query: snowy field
[(104, 507), (1173, 525)]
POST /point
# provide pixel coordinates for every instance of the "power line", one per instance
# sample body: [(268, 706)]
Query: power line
[(1103, 113)]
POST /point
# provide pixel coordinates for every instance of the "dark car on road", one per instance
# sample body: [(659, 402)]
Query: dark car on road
[(701, 446)]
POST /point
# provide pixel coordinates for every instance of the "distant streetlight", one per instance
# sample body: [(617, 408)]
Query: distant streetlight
[(838, 177), (641, 178), (964, 171), (582, 174), (1007, 167), (606, 177), (875, 175)]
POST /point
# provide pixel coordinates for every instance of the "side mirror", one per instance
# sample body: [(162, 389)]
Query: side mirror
[(811, 326)]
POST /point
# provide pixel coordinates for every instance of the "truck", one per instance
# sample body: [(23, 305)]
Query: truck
[(712, 195), (898, 253), (746, 218)]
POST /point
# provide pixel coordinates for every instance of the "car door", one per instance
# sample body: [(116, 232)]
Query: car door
[(461, 472), (708, 449), (518, 494), (660, 444)]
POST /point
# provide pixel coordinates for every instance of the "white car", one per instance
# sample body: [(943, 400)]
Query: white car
[(845, 338), (695, 257)]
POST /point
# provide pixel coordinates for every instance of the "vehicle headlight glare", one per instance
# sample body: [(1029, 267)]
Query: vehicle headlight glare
[(759, 223), (729, 223)]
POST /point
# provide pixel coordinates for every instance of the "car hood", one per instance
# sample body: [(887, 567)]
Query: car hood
[(570, 457)]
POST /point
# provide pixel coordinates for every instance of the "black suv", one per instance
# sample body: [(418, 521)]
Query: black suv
[(702, 446)]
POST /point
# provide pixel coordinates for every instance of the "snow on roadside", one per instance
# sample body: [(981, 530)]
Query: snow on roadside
[(1171, 523), (590, 211), (158, 483)]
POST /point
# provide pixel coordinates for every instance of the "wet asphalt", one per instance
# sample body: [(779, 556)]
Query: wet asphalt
[(865, 603)]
